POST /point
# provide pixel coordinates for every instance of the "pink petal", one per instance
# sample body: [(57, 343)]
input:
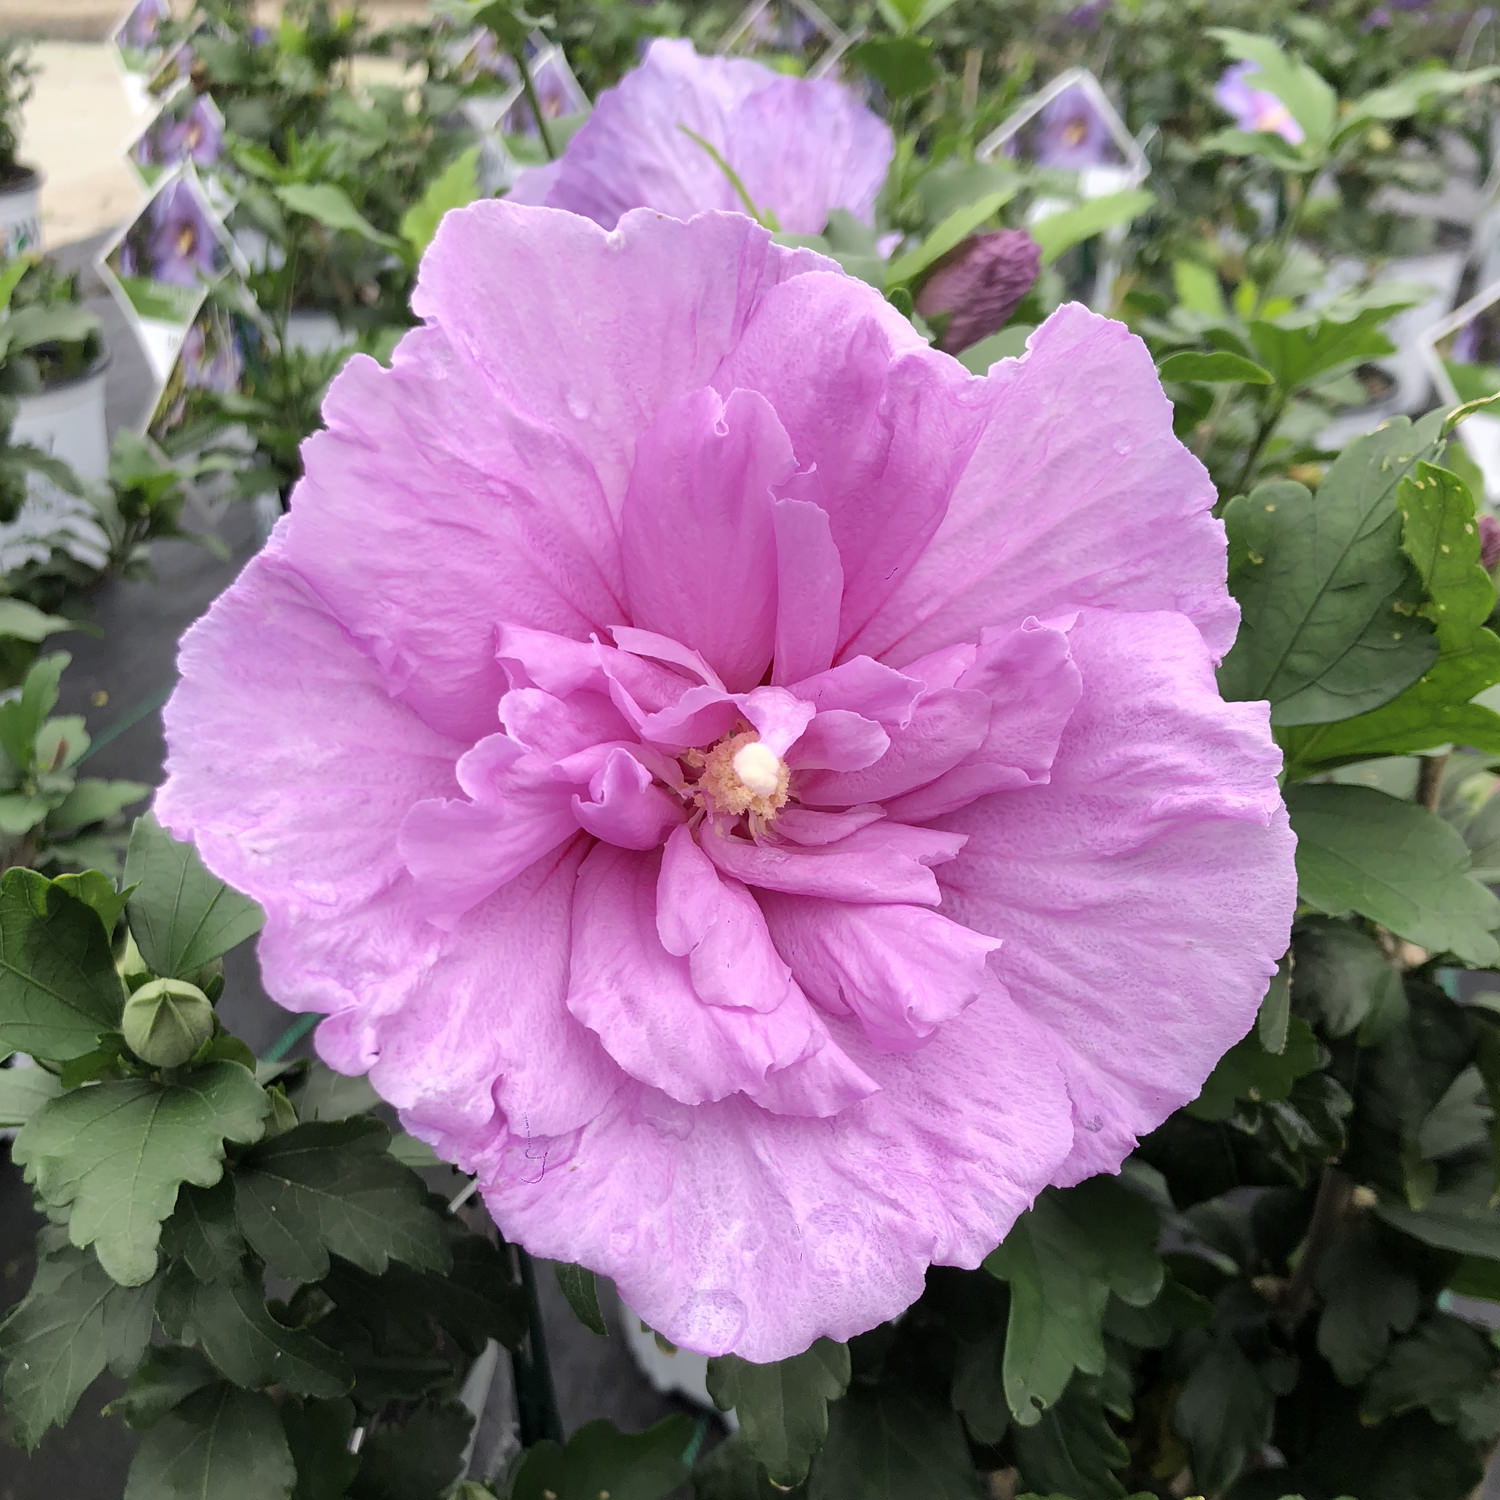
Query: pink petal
[(731, 1229), (305, 809), (1145, 893), (624, 805), (902, 970), (863, 686), (641, 1001), (809, 585), (1100, 505), (1028, 675), (838, 740), (696, 537), (881, 863), (884, 425)]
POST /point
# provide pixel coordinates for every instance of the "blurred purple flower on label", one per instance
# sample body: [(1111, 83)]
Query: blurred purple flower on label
[(1252, 108), (1070, 133), (978, 285), (184, 247), (804, 823), (800, 147)]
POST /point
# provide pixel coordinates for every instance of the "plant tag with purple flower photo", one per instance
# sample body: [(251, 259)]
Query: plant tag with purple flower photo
[(1462, 354), (794, 29)]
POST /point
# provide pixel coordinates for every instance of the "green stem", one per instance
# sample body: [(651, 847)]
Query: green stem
[(536, 1399), (1262, 437), (1335, 1192), (543, 129)]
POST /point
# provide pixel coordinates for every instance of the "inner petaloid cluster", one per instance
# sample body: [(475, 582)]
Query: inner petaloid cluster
[(740, 776)]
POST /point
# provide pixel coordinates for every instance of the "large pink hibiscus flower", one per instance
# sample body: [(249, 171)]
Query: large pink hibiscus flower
[(751, 791), (801, 147)]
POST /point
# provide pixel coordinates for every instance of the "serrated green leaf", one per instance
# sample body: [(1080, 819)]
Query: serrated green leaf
[(1248, 1071), (901, 65), (598, 1457), (21, 621), (1223, 1411), (232, 1323), (1212, 369), (782, 1407), (1394, 862), (96, 890), (203, 1232), (421, 1458), (22, 717), (1059, 232), (330, 1187), (1062, 1259), (72, 1323), (1411, 93), (1300, 350), (1366, 1298), (1440, 533), (115, 1154), (1328, 598), (181, 916), (893, 1444), (1442, 1361), (577, 1284), (329, 205), (1461, 1218), (58, 986), (220, 1444), (1343, 980), (1074, 1446), (164, 1379)]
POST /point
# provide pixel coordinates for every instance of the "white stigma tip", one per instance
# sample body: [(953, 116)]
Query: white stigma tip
[(758, 768)]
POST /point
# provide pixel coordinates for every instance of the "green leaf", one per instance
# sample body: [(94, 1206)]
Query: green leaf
[(730, 1472), (1440, 533), (1198, 288), (1298, 350), (318, 1434), (1249, 1071), (782, 1407), (21, 717), (1461, 1218), (114, 1155), (23, 1091), (202, 1231), (1190, 365), (1343, 979), (1328, 599), (98, 891), (1059, 232), (164, 1379), (58, 986), (893, 1444), (181, 916), (1273, 1020), (330, 1187), (234, 1326), (1074, 1449), (220, 1444), (1366, 1298), (1223, 1411), (948, 235), (454, 187), (1411, 93), (21, 621), (329, 205), (1062, 1259), (578, 1287), (1444, 1360), (1359, 850), (73, 1322), (599, 1458), (94, 801), (1309, 98), (420, 1459), (901, 65)]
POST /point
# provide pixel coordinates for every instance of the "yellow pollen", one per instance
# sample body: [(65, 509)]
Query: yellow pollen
[(740, 775)]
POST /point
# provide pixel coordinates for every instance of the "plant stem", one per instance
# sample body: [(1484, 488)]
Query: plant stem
[(1335, 1190), (528, 85), (536, 1399), (1430, 779)]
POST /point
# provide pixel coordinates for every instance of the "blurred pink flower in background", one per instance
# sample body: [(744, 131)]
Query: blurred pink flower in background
[(1253, 108)]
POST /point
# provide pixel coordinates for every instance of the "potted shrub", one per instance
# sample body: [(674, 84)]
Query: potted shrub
[(52, 365), (20, 186)]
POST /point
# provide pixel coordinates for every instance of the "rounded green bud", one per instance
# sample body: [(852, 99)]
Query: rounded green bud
[(166, 1021)]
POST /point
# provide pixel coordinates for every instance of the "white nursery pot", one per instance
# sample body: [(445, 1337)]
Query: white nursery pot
[(21, 215), (68, 422)]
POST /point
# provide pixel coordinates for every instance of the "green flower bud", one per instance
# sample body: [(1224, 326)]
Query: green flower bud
[(166, 1021)]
